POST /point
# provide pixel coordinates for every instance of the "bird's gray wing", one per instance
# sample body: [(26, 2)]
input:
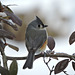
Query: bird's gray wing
[(35, 39)]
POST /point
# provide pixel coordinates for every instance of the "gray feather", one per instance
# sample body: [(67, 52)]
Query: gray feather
[(29, 61)]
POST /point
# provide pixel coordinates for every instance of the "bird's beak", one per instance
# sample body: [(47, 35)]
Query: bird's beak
[(45, 26)]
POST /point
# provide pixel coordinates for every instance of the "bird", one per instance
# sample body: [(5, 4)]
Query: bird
[(35, 40)]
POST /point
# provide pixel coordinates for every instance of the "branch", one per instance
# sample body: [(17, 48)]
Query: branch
[(4, 58), (72, 57)]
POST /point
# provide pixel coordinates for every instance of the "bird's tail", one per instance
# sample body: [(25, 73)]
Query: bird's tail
[(29, 61)]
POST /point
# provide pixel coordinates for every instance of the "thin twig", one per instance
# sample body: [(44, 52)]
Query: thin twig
[(51, 70), (46, 63), (65, 73)]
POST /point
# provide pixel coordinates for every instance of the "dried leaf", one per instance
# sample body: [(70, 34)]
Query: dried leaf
[(2, 45), (13, 68), (10, 23), (13, 17), (51, 43), (7, 8), (4, 40), (14, 27), (4, 33), (1, 7), (61, 66), (1, 27), (3, 71), (73, 65), (72, 38), (6, 17), (13, 47)]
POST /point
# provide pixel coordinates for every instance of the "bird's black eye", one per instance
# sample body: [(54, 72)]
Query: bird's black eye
[(39, 26)]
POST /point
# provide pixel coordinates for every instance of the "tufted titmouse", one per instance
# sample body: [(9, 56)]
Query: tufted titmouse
[(35, 40)]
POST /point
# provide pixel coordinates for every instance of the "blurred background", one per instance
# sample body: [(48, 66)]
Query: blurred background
[(59, 15)]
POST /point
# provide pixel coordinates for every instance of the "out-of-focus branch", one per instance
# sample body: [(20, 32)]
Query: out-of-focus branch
[(4, 58)]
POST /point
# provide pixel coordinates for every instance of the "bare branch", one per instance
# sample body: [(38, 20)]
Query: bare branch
[(72, 57)]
